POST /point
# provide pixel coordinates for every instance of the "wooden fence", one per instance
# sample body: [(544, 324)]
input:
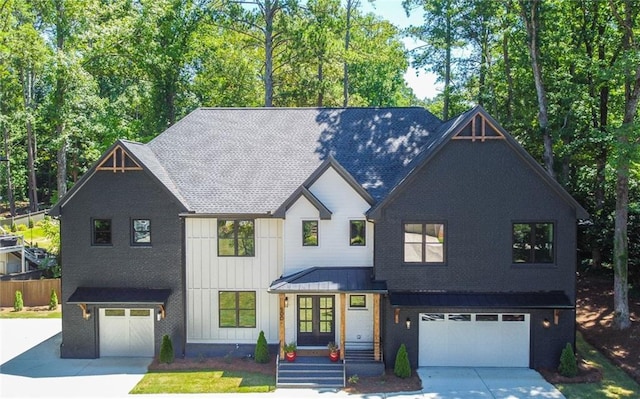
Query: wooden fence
[(34, 292)]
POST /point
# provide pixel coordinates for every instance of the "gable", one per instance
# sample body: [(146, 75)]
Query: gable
[(477, 128), (118, 160)]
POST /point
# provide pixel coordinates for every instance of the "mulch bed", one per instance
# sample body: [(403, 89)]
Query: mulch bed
[(594, 315), (364, 385), (586, 373)]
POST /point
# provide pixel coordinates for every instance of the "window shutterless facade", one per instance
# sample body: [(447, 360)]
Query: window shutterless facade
[(237, 309), (533, 242), (236, 238), (140, 232), (310, 233), (424, 242), (101, 232), (357, 233)]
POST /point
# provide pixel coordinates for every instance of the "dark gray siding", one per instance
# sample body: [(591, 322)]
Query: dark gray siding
[(120, 197), (478, 190)]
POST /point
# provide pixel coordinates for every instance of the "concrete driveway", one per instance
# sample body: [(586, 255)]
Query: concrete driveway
[(30, 366)]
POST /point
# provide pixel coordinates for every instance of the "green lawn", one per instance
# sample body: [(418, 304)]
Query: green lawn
[(615, 384), (31, 314), (204, 381)]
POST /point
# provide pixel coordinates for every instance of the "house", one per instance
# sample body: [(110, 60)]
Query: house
[(370, 227)]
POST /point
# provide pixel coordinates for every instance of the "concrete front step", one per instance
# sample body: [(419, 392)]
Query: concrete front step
[(310, 373)]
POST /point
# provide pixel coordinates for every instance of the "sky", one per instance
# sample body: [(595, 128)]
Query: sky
[(422, 83)]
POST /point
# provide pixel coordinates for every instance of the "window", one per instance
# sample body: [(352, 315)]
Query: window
[(310, 233), (424, 243), (357, 233), (140, 232), (101, 234), (533, 243), (357, 301), (236, 238), (237, 309)]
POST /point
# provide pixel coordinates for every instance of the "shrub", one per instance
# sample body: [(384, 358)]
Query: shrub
[(166, 350), (568, 365), (261, 353), (18, 303), (22, 227), (31, 224), (402, 367), (53, 300)]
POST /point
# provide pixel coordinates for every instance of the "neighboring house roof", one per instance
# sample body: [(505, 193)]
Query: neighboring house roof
[(330, 279), (488, 300), (250, 160)]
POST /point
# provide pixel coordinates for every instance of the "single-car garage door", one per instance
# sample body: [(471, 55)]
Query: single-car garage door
[(126, 332), (474, 339)]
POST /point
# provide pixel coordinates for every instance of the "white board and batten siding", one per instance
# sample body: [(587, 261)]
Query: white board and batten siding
[(359, 322), (333, 235), (208, 274)]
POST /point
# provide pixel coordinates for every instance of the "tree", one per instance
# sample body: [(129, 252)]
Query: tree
[(626, 14), (261, 352), (441, 34), (402, 367), (530, 12)]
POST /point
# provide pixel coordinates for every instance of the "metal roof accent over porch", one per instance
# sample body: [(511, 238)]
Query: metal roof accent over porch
[(493, 300), (124, 296), (330, 279)]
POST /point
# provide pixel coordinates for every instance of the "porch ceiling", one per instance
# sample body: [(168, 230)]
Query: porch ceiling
[(491, 300), (330, 279)]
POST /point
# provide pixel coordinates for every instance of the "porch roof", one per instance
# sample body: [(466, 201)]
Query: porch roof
[(330, 279), (492, 300), (123, 296)]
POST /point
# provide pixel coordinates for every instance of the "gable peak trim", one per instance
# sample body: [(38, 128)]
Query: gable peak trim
[(479, 128), (118, 160)]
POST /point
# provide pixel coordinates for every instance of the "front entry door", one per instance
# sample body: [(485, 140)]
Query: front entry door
[(316, 326)]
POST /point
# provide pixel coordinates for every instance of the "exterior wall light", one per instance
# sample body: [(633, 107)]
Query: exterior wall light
[(286, 301), (546, 323), (408, 323)]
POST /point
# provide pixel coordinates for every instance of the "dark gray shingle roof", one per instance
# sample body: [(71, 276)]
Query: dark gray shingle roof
[(250, 160), (330, 279)]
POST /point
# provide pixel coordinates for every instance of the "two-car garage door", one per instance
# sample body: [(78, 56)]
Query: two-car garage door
[(474, 339), (126, 332)]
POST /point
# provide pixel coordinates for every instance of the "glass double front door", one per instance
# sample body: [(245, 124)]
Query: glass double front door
[(316, 324)]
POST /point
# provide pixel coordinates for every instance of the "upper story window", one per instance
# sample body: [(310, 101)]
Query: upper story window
[(101, 232), (236, 238), (533, 242), (357, 233), (424, 242), (140, 232), (310, 233)]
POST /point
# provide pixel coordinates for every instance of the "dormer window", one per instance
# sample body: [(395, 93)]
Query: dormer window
[(310, 233), (357, 233)]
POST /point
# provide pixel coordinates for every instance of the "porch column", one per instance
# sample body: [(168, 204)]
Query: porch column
[(376, 327), (343, 318), (281, 336)]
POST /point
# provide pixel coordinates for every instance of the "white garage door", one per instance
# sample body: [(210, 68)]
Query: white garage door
[(126, 332), (474, 339)]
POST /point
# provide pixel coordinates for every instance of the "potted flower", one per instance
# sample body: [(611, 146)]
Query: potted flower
[(334, 351), (290, 351)]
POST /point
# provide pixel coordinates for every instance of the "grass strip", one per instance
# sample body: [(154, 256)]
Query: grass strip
[(615, 383), (204, 381)]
